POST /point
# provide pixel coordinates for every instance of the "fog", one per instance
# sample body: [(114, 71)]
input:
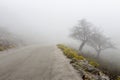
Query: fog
[(49, 21)]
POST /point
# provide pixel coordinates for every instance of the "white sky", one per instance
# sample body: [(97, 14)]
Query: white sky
[(52, 19)]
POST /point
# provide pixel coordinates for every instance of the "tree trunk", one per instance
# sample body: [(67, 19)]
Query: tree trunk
[(81, 46), (98, 53)]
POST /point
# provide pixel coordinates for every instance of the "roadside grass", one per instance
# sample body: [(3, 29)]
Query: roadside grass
[(73, 54), (2, 47)]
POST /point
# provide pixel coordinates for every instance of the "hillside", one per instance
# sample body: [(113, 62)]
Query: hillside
[(8, 40), (88, 68)]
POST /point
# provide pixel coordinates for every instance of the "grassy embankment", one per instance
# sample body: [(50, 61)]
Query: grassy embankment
[(75, 58)]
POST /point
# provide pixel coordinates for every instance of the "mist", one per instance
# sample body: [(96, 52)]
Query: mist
[(49, 21)]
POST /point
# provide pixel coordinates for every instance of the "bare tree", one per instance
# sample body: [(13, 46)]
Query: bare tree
[(82, 32), (7, 39), (3, 37), (100, 42)]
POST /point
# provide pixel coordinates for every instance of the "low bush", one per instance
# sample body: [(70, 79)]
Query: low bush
[(2, 48), (93, 63), (118, 78)]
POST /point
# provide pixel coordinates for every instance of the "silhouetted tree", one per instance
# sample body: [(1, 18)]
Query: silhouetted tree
[(7, 39), (82, 32), (99, 42)]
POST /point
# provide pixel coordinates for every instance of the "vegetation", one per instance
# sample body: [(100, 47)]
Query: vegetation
[(70, 53), (73, 54), (118, 78), (7, 40), (88, 68), (2, 48), (93, 63), (90, 35), (100, 42), (82, 32)]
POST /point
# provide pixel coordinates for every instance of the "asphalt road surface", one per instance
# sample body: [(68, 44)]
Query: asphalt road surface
[(36, 63)]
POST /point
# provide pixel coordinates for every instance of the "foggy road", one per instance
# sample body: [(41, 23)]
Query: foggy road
[(36, 63)]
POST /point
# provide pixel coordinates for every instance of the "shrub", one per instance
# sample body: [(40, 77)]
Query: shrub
[(93, 63), (1, 48), (118, 78)]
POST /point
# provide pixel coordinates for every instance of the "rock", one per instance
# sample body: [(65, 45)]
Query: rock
[(83, 61), (92, 69), (81, 72), (77, 67), (73, 61), (87, 71), (103, 76)]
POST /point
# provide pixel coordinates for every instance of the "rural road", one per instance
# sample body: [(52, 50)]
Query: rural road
[(36, 63)]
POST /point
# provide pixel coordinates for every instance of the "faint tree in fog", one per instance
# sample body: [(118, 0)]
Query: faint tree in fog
[(82, 32), (100, 42), (4, 35), (7, 40)]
